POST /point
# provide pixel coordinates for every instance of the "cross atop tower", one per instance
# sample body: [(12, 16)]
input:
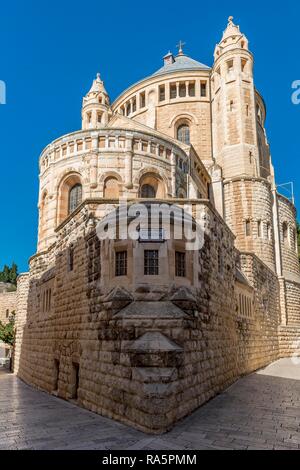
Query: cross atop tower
[(180, 46)]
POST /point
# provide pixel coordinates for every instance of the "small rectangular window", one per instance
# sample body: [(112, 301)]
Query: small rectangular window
[(162, 93), (142, 100), (151, 267), (121, 263), (203, 89), (179, 264), (173, 90)]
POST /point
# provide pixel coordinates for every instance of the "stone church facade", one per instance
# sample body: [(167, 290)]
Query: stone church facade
[(143, 330)]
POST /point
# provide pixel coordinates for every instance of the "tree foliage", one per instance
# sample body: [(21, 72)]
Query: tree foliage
[(7, 331), (9, 274)]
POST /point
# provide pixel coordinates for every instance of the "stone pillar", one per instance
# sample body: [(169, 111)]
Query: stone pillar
[(173, 173), (21, 319), (282, 297), (278, 259), (128, 161), (94, 162)]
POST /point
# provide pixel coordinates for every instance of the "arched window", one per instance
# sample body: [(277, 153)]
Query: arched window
[(285, 233), (269, 234), (295, 239), (111, 188), (183, 133), (75, 197), (148, 191)]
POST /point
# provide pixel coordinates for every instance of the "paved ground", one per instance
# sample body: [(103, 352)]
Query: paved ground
[(259, 411)]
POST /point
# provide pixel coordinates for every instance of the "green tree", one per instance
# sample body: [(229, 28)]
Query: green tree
[(13, 274), (9, 274), (7, 331)]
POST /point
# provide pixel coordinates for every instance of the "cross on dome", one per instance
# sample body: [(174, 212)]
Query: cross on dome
[(180, 46)]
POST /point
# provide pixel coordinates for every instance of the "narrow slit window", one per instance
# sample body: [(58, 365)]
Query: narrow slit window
[(248, 228)]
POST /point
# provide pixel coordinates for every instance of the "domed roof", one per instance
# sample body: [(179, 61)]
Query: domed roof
[(181, 62)]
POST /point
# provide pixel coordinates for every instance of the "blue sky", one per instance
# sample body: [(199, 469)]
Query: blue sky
[(51, 51)]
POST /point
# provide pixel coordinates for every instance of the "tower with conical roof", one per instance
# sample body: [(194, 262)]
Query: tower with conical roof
[(240, 145), (96, 106)]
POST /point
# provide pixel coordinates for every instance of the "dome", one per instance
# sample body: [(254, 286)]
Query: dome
[(181, 63)]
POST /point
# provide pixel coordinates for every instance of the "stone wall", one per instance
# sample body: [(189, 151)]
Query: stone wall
[(143, 360), (289, 341), (21, 319), (8, 304), (288, 244), (250, 199), (292, 292)]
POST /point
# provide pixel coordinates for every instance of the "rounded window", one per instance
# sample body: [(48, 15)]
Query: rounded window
[(148, 191), (75, 197), (111, 188), (183, 133)]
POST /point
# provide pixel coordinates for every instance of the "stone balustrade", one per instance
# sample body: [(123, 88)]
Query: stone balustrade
[(110, 141)]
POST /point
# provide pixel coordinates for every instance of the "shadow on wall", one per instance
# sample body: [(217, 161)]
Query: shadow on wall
[(146, 363)]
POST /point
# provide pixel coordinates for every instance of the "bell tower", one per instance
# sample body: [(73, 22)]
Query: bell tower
[(233, 105), (239, 142), (96, 109)]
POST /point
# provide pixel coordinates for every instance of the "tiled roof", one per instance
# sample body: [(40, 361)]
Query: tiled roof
[(182, 62)]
